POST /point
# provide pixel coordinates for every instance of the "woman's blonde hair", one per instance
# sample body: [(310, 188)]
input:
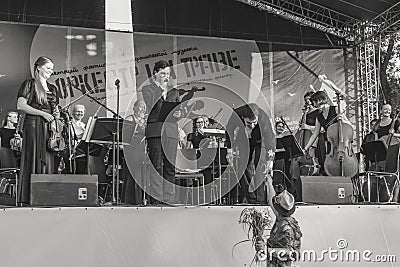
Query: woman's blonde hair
[(40, 93)]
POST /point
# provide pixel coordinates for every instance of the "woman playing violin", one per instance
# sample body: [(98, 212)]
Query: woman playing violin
[(39, 100), (327, 115)]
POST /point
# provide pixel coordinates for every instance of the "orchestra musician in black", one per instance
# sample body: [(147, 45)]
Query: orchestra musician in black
[(327, 115), (251, 131), (162, 137), (9, 156), (383, 127), (38, 99), (134, 156), (197, 139)]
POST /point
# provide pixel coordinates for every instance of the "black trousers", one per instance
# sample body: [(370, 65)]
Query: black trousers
[(257, 192), (162, 154)]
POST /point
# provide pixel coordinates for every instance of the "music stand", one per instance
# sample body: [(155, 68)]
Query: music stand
[(166, 108), (218, 134), (291, 147), (375, 151), (104, 131)]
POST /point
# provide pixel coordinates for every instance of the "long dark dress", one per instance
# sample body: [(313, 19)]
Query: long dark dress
[(36, 158), (8, 157), (321, 144)]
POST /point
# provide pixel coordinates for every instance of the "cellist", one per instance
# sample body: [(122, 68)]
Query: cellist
[(383, 126), (302, 136), (382, 129), (327, 115)]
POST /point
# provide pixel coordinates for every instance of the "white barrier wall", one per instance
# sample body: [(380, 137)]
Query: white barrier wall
[(193, 236)]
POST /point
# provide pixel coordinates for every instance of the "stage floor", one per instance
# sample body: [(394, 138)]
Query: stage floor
[(188, 236)]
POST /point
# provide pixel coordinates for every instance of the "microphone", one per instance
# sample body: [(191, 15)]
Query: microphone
[(117, 81)]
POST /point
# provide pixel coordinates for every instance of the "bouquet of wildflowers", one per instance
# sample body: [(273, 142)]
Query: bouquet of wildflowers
[(255, 222)]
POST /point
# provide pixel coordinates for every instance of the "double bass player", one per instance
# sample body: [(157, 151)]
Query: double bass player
[(334, 127)]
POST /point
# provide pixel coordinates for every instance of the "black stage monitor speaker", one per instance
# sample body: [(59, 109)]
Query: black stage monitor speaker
[(327, 189), (64, 190)]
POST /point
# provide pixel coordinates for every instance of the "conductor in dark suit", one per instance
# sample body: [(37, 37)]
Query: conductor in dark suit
[(250, 134), (162, 137)]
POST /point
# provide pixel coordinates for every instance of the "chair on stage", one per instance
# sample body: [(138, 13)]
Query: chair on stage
[(187, 170), (8, 184), (382, 186)]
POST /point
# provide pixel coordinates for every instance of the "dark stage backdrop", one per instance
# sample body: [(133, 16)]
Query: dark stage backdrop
[(231, 71)]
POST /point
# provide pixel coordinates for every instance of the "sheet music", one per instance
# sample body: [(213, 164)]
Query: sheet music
[(89, 129)]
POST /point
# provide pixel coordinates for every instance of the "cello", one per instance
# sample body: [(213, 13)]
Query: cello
[(341, 160)]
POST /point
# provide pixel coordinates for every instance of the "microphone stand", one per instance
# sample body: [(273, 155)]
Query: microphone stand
[(115, 115), (117, 82), (98, 102), (71, 150), (70, 128)]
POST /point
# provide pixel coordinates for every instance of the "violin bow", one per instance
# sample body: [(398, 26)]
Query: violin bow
[(330, 85), (322, 78)]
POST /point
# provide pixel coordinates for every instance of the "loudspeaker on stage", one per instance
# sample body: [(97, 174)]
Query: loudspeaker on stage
[(64, 190), (327, 189)]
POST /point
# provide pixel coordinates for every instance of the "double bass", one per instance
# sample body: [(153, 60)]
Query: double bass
[(303, 136), (341, 160)]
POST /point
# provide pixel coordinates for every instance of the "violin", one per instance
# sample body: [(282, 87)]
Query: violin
[(341, 160), (16, 141), (56, 141)]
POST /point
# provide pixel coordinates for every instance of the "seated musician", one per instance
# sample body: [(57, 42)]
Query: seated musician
[(280, 129), (8, 157), (306, 165), (197, 139), (134, 154), (327, 115), (386, 129), (382, 129), (281, 165), (77, 128)]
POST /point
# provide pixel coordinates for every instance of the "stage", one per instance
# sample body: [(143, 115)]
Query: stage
[(333, 235)]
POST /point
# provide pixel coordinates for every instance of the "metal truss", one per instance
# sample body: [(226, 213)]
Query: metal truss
[(351, 89), (365, 36), (386, 23), (368, 81), (307, 13)]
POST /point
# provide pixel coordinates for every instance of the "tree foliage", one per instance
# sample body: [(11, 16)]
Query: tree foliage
[(389, 69)]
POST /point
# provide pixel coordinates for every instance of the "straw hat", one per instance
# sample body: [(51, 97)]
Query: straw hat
[(284, 203)]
